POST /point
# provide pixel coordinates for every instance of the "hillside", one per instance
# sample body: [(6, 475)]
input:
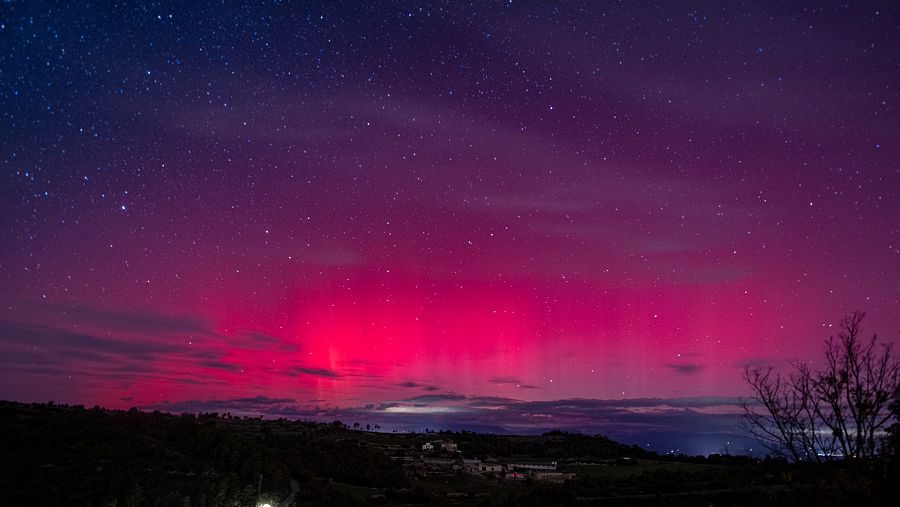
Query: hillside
[(71, 455)]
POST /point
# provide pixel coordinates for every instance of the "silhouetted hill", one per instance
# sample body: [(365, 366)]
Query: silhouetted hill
[(70, 455), (59, 454)]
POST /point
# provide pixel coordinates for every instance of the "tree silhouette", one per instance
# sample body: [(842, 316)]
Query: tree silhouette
[(837, 412)]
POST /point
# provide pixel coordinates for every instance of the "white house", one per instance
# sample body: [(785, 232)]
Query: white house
[(444, 445)]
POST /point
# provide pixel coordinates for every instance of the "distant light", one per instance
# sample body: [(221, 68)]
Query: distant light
[(265, 505)]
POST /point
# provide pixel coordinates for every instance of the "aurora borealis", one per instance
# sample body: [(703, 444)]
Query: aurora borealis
[(505, 215)]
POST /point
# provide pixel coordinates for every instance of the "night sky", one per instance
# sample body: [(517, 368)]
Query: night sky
[(506, 216)]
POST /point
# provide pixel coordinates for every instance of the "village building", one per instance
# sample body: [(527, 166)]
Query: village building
[(478, 467), (493, 468), (444, 445), (472, 466)]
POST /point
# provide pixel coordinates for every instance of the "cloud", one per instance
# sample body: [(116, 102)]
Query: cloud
[(254, 405), (574, 413), (155, 325), (681, 422), (318, 372), (409, 384), (685, 369), (263, 400), (31, 335), (131, 321), (434, 398), (422, 409), (692, 425), (255, 340), (219, 365), (121, 348), (511, 380)]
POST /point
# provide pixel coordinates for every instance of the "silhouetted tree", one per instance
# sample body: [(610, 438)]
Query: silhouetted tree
[(892, 443), (816, 415), (788, 420)]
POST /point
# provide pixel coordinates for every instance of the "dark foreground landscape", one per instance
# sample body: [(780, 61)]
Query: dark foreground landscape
[(71, 455)]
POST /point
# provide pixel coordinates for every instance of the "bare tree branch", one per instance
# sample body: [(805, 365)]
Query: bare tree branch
[(840, 410)]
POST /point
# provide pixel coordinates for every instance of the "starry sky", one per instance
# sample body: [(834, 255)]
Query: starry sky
[(507, 216)]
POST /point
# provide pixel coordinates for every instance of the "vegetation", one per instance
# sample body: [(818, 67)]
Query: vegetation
[(61, 455), (70, 455), (838, 412), (552, 445)]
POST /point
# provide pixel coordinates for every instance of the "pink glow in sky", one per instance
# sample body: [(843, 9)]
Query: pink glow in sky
[(410, 212)]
